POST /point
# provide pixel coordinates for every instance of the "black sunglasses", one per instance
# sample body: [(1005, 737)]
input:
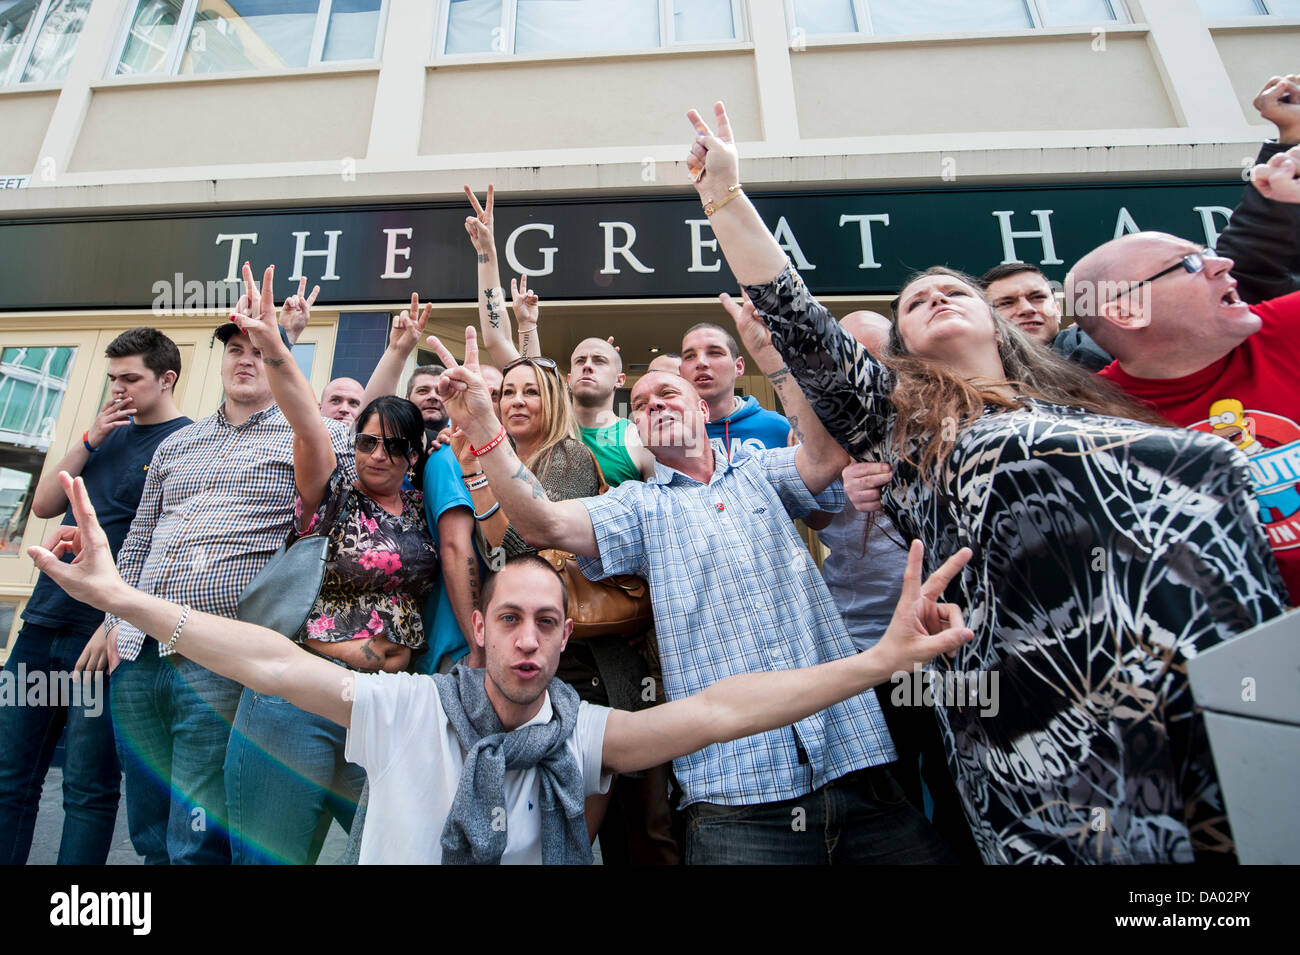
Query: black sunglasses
[(393, 447)]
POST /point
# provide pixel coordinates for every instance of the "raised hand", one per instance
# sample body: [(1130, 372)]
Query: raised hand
[(523, 301), (408, 327), (464, 393), (255, 314), (754, 335), (295, 314), (115, 413), (713, 162), (479, 225), (1279, 178), (92, 576), (863, 481), (922, 628), (1279, 103)]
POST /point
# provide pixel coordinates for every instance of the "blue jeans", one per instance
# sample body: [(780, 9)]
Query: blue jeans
[(172, 719), (92, 779), (861, 818), (285, 778)]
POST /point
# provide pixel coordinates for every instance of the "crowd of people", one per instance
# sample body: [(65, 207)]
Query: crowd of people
[(1054, 520)]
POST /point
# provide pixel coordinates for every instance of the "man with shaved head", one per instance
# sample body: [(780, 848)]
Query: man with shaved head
[(595, 374), (1186, 342), (342, 399), (734, 591)]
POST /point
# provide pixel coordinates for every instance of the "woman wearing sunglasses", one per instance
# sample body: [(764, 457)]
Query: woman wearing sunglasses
[(286, 773), (1108, 551)]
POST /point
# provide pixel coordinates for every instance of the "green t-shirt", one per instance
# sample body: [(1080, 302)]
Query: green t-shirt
[(611, 453)]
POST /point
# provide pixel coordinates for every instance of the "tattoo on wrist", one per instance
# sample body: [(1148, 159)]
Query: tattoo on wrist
[(370, 655), (483, 258), (494, 304), (780, 375), (525, 475), (273, 362)]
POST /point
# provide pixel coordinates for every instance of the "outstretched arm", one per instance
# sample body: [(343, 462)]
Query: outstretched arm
[(922, 628), (258, 658), (539, 520), (846, 387), (313, 454), (492, 317), (523, 301), (408, 331)]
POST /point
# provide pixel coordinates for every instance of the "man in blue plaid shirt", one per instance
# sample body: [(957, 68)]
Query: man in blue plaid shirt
[(217, 503), (734, 591)]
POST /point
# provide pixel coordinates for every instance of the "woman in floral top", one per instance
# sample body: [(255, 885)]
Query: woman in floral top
[(286, 772)]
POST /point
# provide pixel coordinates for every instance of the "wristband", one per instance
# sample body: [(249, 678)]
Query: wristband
[(490, 511), (477, 483), (479, 452), (85, 439), (711, 206), (170, 646), (466, 477)]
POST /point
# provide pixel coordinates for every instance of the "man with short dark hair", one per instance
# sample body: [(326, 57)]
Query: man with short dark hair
[(1024, 296), (490, 766), (61, 634), (711, 362), (422, 391), (342, 400), (217, 503)]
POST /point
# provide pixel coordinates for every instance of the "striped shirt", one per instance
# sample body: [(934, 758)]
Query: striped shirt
[(735, 591), (217, 503)]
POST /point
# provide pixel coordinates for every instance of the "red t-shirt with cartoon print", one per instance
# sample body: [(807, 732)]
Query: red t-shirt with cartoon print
[(1250, 397)]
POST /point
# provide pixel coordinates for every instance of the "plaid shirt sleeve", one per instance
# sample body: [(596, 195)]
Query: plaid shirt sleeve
[(620, 540), (782, 473)]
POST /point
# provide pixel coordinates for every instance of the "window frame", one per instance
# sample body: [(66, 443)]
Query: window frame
[(862, 16), (509, 8), (1261, 10), (189, 9), (13, 75)]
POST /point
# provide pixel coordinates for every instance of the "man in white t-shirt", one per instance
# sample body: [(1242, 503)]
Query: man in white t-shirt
[(428, 791)]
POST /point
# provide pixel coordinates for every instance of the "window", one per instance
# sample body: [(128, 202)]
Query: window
[(33, 382), (573, 26), (232, 36), (1227, 9), (899, 17), (38, 39)]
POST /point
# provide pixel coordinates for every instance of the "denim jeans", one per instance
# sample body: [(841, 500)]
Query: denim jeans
[(285, 778), (859, 818), (172, 719), (92, 780)]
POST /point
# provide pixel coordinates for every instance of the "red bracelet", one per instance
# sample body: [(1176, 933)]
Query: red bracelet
[(479, 452)]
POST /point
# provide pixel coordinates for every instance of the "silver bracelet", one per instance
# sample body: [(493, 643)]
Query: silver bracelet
[(170, 646)]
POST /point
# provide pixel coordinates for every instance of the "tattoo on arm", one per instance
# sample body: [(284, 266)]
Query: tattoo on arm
[(794, 426), (370, 655), (493, 296), (472, 568), (525, 475), (780, 376), (483, 258), (274, 362), (524, 340)]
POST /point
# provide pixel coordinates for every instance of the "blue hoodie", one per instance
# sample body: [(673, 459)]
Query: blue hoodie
[(750, 428)]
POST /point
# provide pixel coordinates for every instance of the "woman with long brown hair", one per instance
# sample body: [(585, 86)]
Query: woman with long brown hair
[(1108, 551)]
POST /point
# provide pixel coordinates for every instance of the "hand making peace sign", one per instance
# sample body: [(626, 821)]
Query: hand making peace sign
[(922, 628), (464, 393), (255, 314), (713, 162), (295, 313), (408, 327), (479, 225)]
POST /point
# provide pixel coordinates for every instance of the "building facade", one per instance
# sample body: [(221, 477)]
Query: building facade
[(150, 146)]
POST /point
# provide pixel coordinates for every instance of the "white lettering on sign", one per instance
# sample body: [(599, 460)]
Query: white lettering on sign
[(548, 254), (625, 250), (330, 252), (391, 254), (1043, 232), (236, 239), (864, 230), (699, 244)]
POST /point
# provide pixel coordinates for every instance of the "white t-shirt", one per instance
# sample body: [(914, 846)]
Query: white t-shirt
[(401, 737)]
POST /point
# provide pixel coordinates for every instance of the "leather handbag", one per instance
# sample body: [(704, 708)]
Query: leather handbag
[(282, 594), (618, 604), (598, 608)]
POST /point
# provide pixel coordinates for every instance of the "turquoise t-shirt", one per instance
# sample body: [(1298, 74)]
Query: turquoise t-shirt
[(444, 488)]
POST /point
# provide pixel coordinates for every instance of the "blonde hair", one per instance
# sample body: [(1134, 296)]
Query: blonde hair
[(558, 418)]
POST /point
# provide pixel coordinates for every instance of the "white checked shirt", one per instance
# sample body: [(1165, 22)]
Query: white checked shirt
[(217, 503), (734, 591)]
